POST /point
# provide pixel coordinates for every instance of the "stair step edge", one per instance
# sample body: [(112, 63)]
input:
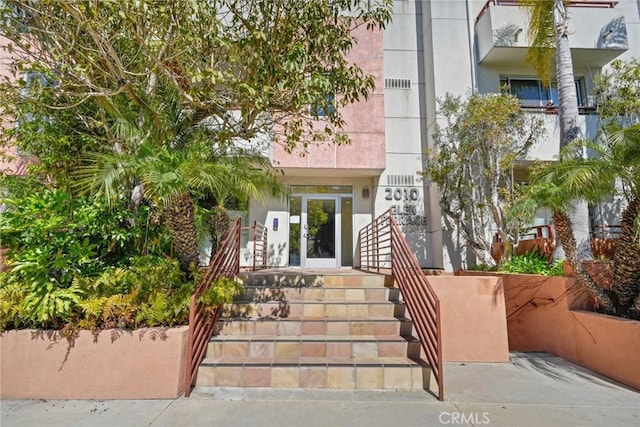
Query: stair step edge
[(312, 338), (314, 361)]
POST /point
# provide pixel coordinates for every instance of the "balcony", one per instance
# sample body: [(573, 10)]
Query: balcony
[(598, 33), (548, 146)]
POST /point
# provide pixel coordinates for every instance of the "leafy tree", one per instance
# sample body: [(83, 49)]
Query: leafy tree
[(549, 37), (616, 93), (244, 65), (472, 163), (55, 138), (155, 82)]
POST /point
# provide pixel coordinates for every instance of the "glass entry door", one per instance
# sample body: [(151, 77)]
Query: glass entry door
[(319, 229), (321, 226)]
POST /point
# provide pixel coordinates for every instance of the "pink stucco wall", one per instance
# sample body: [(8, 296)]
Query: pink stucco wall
[(12, 164), (474, 327), (548, 314), (364, 120), (115, 364)]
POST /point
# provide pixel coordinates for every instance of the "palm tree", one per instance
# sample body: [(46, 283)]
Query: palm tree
[(172, 165), (613, 167), (174, 180), (245, 179), (548, 33), (620, 157), (547, 189)]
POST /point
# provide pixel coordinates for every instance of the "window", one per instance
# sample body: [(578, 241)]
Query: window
[(35, 79), (324, 107), (14, 17), (533, 93), (32, 80)]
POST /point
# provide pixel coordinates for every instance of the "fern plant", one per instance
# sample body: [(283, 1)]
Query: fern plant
[(221, 292)]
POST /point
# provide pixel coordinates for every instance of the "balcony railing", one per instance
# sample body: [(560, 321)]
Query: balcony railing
[(577, 3), (603, 240), (553, 109)]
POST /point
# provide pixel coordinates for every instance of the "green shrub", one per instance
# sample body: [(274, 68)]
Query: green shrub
[(221, 292), (531, 263), (152, 291), (72, 261)]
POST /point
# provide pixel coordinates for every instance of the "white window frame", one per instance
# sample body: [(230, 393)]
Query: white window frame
[(542, 91)]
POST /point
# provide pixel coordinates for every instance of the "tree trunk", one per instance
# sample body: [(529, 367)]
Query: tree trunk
[(564, 230), (480, 250), (568, 118), (626, 261), (219, 223), (180, 219)]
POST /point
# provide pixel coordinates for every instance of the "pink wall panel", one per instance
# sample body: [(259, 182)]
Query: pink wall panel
[(364, 120), (367, 151)]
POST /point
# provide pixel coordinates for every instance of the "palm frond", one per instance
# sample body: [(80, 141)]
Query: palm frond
[(541, 34), (105, 175)]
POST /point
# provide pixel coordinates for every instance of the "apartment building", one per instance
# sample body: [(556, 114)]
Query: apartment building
[(430, 49)]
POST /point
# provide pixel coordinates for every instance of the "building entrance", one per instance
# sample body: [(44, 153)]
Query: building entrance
[(320, 227)]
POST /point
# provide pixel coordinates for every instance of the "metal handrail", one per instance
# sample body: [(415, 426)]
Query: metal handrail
[(383, 246), (575, 3), (259, 245), (606, 231), (546, 231), (259, 235), (225, 263)]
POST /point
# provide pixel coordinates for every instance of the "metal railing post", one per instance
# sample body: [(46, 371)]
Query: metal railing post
[(255, 234)]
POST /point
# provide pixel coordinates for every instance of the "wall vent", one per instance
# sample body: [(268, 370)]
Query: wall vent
[(400, 180), (397, 84)]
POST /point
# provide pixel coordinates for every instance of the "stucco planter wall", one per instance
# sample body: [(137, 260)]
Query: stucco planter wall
[(548, 314), (114, 364), (608, 345), (473, 322)]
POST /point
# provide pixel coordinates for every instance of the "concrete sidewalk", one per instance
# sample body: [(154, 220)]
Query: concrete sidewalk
[(531, 390)]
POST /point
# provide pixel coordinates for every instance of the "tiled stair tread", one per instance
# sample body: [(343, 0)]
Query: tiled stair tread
[(317, 281), (313, 338), (316, 361), (329, 299), (312, 330), (315, 326), (319, 286), (347, 376), (312, 309), (314, 302), (265, 319), (347, 281)]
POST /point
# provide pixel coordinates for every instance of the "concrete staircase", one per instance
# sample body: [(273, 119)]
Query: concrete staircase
[(341, 329)]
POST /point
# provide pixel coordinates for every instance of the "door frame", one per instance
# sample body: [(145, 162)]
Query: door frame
[(304, 191), (334, 262)]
